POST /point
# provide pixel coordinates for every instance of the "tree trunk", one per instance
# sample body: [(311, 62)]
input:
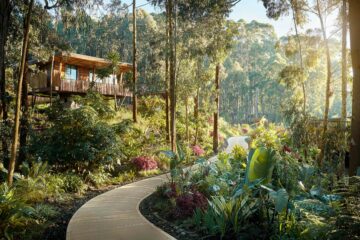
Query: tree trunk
[(167, 102), (344, 64), (354, 17), (172, 80), (18, 96), (187, 118), (196, 115), (300, 57), (216, 113), (134, 64), (24, 122), (5, 10), (328, 85)]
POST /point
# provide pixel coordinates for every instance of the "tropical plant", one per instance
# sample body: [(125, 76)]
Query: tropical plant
[(261, 162)]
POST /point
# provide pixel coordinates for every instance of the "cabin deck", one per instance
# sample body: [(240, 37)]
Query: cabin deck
[(81, 87)]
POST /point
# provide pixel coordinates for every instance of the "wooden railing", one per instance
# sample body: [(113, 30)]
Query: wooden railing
[(82, 86)]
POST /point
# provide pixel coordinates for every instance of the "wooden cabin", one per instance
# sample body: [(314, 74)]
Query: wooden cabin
[(72, 74)]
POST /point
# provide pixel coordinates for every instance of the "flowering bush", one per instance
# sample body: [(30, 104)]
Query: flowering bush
[(187, 203), (198, 151), (145, 163)]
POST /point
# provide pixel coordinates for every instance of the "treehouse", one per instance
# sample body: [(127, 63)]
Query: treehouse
[(73, 74)]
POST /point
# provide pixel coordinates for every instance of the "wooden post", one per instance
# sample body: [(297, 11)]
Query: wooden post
[(51, 78), (60, 70), (93, 75), (121, 88)]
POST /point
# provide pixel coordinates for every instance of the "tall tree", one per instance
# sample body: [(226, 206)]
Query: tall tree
[(216, 112), (354, 19), (320, 9), (344, 62), (172, 88), (134, 64), (167, 78), (18, 95), (6, 7)]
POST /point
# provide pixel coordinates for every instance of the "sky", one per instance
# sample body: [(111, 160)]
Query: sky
[(250, 10)]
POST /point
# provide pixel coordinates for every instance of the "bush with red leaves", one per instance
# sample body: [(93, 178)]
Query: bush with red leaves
[(144, 163), (287, 149), (198, 151), (188, 202)]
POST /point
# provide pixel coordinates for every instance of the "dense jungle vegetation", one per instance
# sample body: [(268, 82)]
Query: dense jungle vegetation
[(198, 78)]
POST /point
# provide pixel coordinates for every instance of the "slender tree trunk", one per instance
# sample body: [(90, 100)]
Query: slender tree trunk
[(354, 17), (18, 96), (134, 64), (24, 122), (216, 113), (172, 80), (196, 115), (328, 86), (187, 118), (300, 57), (167, 80), (5, 12), (344, 64)]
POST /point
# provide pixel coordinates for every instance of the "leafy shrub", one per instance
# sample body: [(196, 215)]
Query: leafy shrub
[(148, 173), (15, 213), (73, 183), (98, 177), (124, 177), (226, 217), (77, 140), (96, 101), (239, 154), (145, 163)]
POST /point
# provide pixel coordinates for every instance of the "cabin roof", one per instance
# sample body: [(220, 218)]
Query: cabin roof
[(89, 61)]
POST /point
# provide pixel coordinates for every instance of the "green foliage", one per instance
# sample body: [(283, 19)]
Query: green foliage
[(260, 165), (15, 214), (72, 183), (98, 177), (226, 217), (176, 159), (96, 101), (77, 140)]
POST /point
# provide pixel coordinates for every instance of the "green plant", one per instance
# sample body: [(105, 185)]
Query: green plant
[(176, 159), (15, 213), (77, 140), (226, 217), (260, 165), (73, 183), (98, 177)]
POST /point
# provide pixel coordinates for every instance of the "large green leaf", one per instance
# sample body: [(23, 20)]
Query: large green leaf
[(260, 165), (280, 198)]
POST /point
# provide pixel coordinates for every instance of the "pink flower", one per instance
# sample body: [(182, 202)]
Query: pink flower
[(198, 151)]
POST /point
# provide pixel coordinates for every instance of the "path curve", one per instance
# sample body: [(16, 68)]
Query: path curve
[(115, 215)]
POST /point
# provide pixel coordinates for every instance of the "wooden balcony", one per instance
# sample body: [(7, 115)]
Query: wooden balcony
[(55, 81), (81, 87)]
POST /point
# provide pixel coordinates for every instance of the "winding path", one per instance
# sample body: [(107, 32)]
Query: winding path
[(115, 215)]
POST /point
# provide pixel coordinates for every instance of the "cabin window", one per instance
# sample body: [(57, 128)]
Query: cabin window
[(71, 72)]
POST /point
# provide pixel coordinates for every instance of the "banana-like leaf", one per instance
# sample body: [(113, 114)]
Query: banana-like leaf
[(260, 165), (280, 198)]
